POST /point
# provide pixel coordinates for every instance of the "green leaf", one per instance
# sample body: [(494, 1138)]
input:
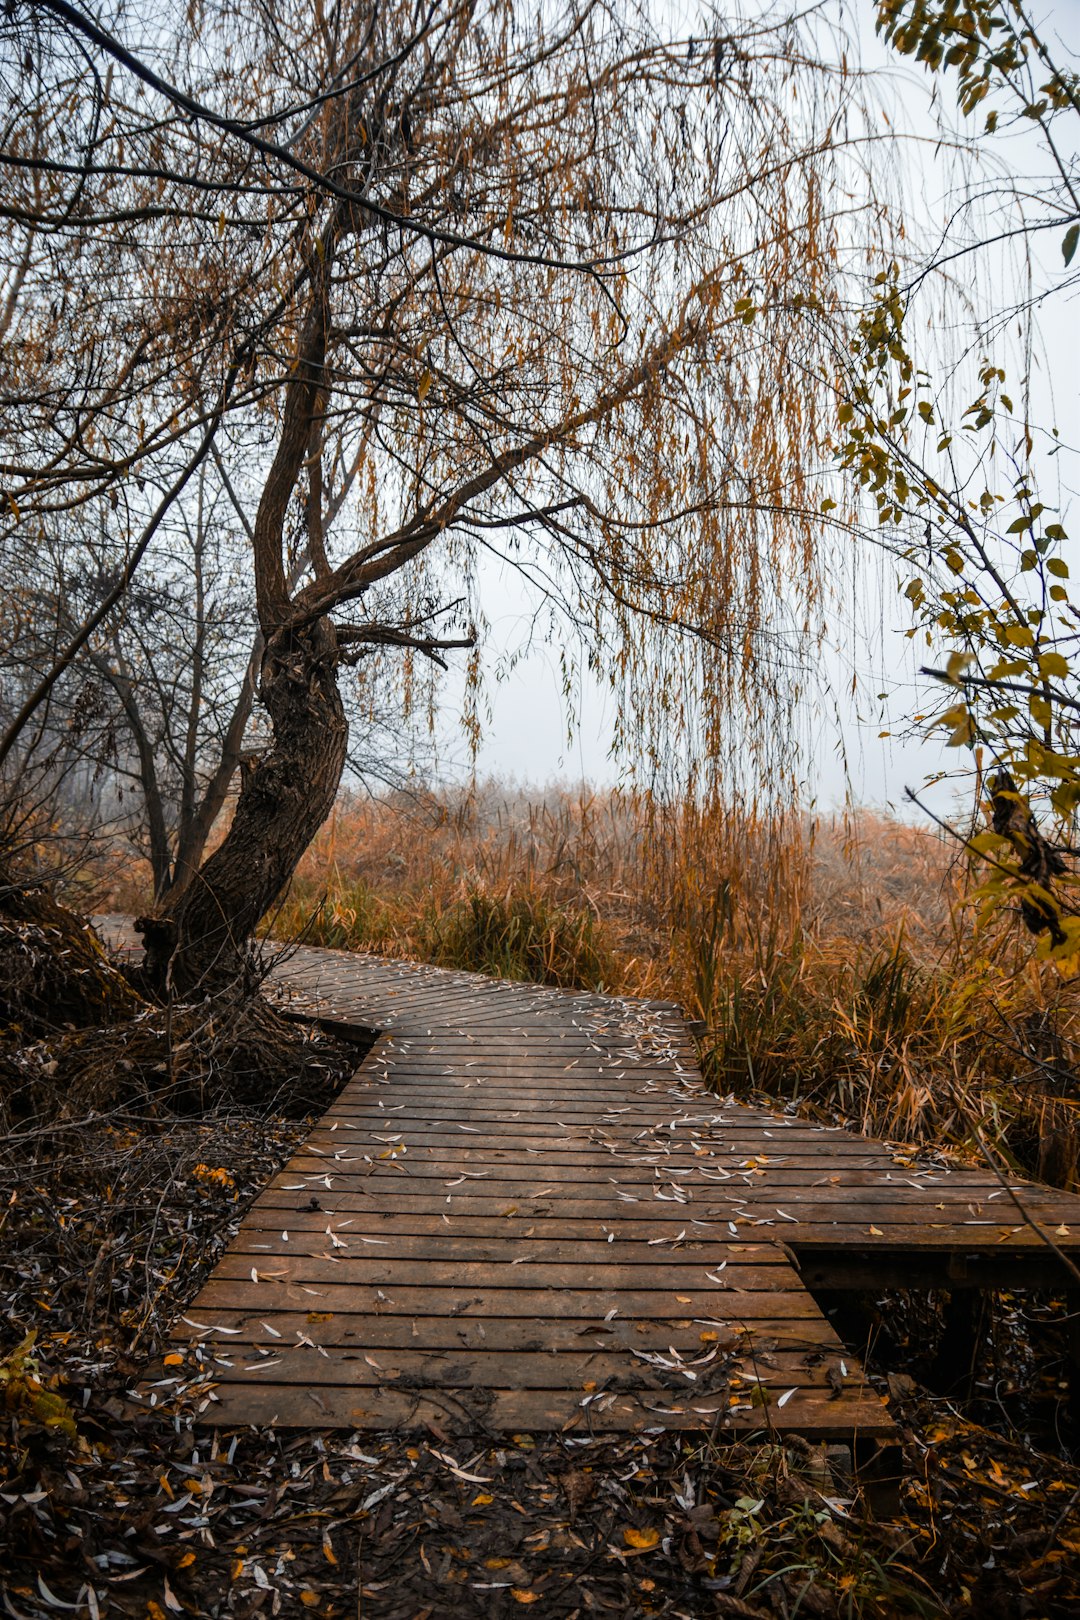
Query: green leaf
[(1068, 247)]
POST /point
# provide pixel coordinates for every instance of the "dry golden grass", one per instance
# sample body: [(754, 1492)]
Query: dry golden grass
[(836, 965)]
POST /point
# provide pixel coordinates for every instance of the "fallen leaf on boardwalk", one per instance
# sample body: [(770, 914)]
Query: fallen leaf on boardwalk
[(641, 1539), (875, 1231)]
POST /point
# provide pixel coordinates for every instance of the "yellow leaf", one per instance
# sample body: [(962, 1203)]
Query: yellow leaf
[(154, 1611), (183, 1563), (236, 1569), (684, 1299), (328, 1552), (707, 1337), (520, 1596), (642, 1539), (875, 1231), (590, 1386), (173, 1361), (963, 733), (482, 1500), (1061, 1231), (310, 1600), (496, 1563), (423, 387)]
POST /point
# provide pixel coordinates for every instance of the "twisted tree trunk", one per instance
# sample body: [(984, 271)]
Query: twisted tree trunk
[(197, 943)]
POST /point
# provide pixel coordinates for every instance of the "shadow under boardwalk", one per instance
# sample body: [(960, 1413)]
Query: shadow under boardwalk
[(525, 1211)]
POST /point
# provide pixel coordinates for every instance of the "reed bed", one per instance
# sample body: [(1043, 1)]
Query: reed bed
[(834, 965)]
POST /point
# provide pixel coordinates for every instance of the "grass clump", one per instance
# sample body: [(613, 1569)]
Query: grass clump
[(523, 934), (518, 934)]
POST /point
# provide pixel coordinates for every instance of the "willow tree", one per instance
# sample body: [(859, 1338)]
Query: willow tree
[(431, 280)]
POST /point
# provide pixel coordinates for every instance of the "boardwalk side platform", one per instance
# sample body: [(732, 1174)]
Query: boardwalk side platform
[(526, 1211)]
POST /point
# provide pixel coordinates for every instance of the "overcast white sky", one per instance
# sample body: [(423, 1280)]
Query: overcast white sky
[(526, 738)]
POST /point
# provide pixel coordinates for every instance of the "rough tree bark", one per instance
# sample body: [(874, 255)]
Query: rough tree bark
[(197, 940)]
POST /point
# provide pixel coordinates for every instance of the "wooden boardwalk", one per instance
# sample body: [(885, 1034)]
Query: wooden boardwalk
[(526, 1212)]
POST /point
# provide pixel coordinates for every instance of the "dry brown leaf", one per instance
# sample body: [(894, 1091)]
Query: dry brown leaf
[(641, 1539)]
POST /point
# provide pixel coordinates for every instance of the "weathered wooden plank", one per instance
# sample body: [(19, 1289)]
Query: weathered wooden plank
[(222, 1327), (232, 1286), (316, 1261), (501, 1243), (575, 1371), (515, 1411)]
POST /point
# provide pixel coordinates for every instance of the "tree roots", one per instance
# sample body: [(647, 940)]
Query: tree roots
[(79, 1039)]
